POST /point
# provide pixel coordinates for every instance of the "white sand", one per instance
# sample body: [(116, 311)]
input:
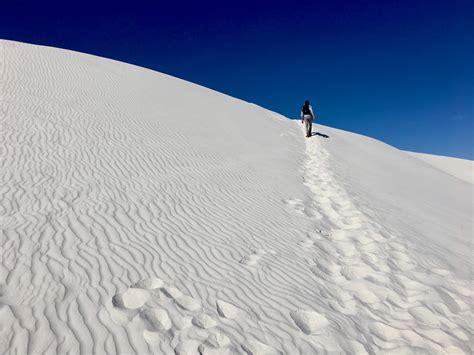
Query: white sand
[(461, 168), (141, 213)]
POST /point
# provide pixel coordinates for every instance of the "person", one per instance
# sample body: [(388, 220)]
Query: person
[(307, 116)]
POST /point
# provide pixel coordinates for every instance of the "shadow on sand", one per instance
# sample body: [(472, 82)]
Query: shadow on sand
[(319, 134)]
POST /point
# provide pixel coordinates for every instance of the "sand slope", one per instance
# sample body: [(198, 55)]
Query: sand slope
[(143, 214), (460, 168)]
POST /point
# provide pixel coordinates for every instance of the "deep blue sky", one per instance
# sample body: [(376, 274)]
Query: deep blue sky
[(399, 71)]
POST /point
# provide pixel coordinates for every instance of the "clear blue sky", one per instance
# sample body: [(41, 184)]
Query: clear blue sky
[(399, 71)]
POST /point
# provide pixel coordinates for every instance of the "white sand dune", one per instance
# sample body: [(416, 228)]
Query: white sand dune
[(461, 168), (140, 213)]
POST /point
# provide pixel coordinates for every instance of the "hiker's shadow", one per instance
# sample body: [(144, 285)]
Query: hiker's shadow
[(319, 134)]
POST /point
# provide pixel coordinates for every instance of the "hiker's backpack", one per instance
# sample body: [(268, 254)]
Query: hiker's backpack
[(306, 111)]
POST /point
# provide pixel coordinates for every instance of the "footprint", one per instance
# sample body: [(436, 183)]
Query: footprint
[(355, 272), (346, 249), (400, 261), (299, 206), (253, 258), (322, 232), (411, 290), (353, 347), (254, 347), (215, 344), (384, 332), (340, 235), (250, 260), (187, 347), (397, 246), (307, 243), (152, 338), (340, 295), (131, 299), (227, 310), (371, 247), (309, 322), (180, 322), (328, 266), (206, 350), (296, 204), (172, 292), (364, 295), (203, 321), (155, 319), (364, 242), (217, 340), (375, 262), (188, 303), (347, 309)]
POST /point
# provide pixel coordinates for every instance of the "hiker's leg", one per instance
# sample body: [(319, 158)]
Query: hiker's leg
[(308, 127)]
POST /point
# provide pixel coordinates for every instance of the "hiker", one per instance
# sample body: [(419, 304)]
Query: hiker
[(307, 116)]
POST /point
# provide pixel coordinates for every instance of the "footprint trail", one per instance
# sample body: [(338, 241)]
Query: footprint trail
[(374, 284)]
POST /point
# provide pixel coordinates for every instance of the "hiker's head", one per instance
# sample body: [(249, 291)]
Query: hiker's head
[(306, 103)]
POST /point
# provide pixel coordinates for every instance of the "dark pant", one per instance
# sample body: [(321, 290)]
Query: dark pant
[(308, 122)]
